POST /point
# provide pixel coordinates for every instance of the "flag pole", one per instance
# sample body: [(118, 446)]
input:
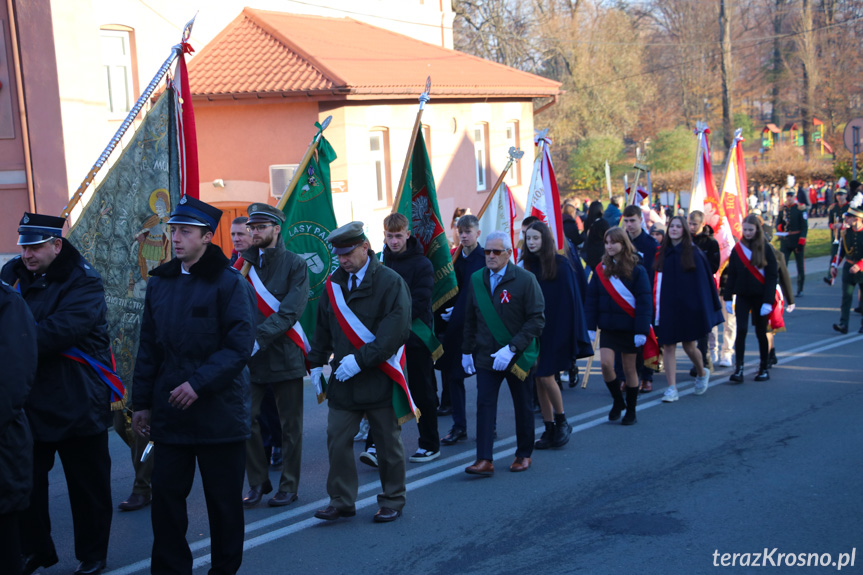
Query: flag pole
[(176, 51), (280, 205), (515, 155), (424, 97)]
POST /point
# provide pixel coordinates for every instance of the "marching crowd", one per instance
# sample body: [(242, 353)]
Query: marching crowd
[(220, 368)]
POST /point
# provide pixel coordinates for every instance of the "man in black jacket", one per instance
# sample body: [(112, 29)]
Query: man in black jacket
[(18, 341), (702, 237), (191, 391), (69, 407)]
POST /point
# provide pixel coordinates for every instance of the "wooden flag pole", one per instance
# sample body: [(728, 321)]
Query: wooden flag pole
[(515, 155), (424, 97), (590, 362), (296, 177), (176, 51)]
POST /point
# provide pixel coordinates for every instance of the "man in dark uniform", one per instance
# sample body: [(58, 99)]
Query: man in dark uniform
[(282, 278), (191, 391), (498, 330), (69, 407), (374, 303), (791, 227), (836, 221), (851, 250), (17, 341)]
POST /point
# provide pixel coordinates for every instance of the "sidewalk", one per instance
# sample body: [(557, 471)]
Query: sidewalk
[(818, 265)]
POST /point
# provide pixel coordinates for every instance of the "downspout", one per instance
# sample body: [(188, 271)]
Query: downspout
[(545, 106), (22, 105)]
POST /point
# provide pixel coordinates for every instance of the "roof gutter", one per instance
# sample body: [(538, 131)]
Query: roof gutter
[(545, 106)]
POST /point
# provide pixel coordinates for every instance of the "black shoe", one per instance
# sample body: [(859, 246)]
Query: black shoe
[(544, 441), (763, 375), (693, 372), (574, 377), (35, 561), (561, 432), (841, 328), (737, 376), (90, 567), (276, 458), (330, 513), (253, 497), (455, 435), (858, 309), (282, 498), (772, 359), (444, 410), (135, 502)]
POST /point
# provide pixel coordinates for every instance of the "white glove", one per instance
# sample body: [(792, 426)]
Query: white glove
[(640, 339), (446, 314), (316, 374), (467, 364), (592, 335), (790, 308), (502, 357), (347, 368), (729, 307), (256, 348), (766, 308)]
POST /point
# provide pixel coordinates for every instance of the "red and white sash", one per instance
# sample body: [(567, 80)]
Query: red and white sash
[(359, 335), (775, 319), (268, 305), (626, 300), (745, 255)]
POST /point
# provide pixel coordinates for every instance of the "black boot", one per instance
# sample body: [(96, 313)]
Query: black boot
[(619, 405), (631, 401), (562, 430), (771, 358), (737, 376), (544, 441), (763, 373)]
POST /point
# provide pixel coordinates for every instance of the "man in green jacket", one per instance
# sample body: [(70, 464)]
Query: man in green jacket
[(372, 303), (281, 280), (504, 317)]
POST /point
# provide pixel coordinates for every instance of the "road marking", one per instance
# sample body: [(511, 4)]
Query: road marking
[(591, 421)]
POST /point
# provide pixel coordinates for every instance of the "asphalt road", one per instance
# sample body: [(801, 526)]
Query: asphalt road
[(773, 465)]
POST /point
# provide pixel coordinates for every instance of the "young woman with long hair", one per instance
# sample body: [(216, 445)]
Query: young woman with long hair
[(752, 276), (618, 303), (595, 227), (687, 305), (564, 337)]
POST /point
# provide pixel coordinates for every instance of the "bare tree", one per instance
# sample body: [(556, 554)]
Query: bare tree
[(725, 66)]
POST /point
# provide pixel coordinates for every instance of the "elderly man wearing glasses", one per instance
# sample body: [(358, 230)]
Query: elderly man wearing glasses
[(503, 322)]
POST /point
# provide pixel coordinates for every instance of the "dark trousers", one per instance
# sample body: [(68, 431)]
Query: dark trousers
[(742, 309), (421, 382), (271, 427), (10, 544), (849, 282), (488, 388), (87, 466), (222, 466), (798, 252), (455, 383)]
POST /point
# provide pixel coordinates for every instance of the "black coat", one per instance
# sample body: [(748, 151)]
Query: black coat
[(197, 327), (603, 312), (417, 271), (646, 246), (570, 230), (454, 335), (68, 399), (594, 245), (740, 280), (18, 343), (708, 244)]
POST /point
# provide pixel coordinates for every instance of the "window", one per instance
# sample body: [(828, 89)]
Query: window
[(427, 138), (379, 155), (117, 58), (513, 177), (480, 141)]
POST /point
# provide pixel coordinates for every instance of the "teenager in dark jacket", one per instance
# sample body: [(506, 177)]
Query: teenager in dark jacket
[(687, 305), (69, 406), (594, 243), (752, 277), (191, 391), (621, 332), (702, 237), (18, 341), (564, 337)]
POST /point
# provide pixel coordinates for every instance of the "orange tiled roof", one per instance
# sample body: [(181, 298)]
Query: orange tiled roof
[(276, 54)]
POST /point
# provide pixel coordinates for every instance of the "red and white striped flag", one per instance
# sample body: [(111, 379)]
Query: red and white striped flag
[(500, 215), (732, 207), (187, 140), (543, 199)]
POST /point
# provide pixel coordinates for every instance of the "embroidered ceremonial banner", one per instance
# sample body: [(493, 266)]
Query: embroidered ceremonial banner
[(123, 229), (500, 216), (732, 205), (543, 199), (419, 205)]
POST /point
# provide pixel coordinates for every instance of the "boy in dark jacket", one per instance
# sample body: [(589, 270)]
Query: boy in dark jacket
[(702, 237)]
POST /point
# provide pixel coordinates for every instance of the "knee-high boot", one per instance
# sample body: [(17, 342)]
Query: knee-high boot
[(619, 405), (631, 401)]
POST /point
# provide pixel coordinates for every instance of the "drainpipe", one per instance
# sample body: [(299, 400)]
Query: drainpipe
[(545, 106), (22, 105)]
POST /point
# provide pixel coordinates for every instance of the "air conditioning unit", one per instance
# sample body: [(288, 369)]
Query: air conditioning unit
[(280, 177)]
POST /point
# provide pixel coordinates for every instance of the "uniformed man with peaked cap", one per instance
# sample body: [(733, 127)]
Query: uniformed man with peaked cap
[(69, 406)]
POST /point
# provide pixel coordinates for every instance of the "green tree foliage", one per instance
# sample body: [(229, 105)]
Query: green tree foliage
[(587, 161), (673, 150)]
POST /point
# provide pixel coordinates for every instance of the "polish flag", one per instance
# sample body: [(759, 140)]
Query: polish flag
[(543, 199), (732, 206)]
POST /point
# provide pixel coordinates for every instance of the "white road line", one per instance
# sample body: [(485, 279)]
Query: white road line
[(456, 461)]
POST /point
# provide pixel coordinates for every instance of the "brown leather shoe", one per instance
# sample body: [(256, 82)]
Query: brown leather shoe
[(135, 502), (282, 498), (482, 467), (520, 464), (330, 513), (386, 514), (256, 493)]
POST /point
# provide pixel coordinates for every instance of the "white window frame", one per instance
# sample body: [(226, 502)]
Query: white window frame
[(513, 177), (378, 159), (480, 156), (118, 72)]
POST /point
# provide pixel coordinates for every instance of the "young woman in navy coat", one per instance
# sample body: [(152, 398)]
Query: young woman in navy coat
[(564, 337), (687, 304), (621, 332)]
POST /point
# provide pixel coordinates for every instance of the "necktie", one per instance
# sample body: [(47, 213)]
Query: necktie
[(353, 282), (494, 280)]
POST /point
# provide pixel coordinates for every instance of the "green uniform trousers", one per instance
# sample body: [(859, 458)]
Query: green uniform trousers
[(849, 283), (289, 403)]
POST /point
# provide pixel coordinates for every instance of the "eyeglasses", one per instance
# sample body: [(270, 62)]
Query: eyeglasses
[(495, 252), (259, 228)]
